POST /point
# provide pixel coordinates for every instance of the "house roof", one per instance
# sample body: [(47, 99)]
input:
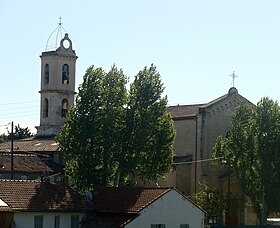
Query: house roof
[(125, 200), (116, 207), (40, 197), (31, 144), (29, 163)]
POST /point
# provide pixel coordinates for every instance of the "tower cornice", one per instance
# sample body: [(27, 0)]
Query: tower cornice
[(57, 91)]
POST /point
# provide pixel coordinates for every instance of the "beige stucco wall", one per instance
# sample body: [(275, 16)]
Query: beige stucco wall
[(184, 143)]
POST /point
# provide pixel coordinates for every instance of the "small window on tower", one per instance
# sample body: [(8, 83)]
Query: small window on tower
[(46, 108), (64, 109), (65, 74), (47, 73)]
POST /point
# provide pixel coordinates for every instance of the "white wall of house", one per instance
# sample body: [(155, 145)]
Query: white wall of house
[(172, 209), (26, 219)]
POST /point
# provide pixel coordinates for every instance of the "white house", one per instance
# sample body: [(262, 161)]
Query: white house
[(144, 207), (40, 205)]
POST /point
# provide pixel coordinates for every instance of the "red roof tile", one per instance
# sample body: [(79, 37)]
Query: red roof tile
[(29, 163), (41, 197), (182, 111), (31, 144), (125, 200)]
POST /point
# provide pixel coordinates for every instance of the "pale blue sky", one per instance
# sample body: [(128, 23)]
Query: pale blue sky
[(194, 44)]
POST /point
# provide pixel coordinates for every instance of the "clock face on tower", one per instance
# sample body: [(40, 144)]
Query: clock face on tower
[(66, 44)]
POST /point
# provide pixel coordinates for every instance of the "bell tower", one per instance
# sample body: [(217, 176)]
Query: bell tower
[(57, 87)]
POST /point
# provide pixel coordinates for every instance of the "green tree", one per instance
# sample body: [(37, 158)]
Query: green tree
[(20, 133), (252, 148), (213, 201), (114, 134), (3, 138), (149, 129)]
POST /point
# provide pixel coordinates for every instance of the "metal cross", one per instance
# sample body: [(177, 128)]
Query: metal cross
[(233, 75), (60, 18)]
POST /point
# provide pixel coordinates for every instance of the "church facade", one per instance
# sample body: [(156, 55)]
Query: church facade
[(197, 129)]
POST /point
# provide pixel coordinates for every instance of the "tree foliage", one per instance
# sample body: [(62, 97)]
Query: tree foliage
[(3, 138), (114, 134), (212, 200), (20, 133), (252, 148)]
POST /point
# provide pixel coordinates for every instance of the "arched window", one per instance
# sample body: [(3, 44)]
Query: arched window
[(46, 108), (47, 73), (64, 108), (65, 74)]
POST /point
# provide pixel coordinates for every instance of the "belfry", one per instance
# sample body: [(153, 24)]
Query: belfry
[(58, 69)]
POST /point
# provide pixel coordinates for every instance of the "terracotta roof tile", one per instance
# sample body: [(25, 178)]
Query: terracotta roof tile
[(41, 196), (125, 200), (181, 111), (29, 163), (31, 144)]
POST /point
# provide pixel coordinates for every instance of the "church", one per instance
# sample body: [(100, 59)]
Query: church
[(197, 128)]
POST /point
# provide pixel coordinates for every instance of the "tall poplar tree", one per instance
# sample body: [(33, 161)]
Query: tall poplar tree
[(252, 148), (115, 135)]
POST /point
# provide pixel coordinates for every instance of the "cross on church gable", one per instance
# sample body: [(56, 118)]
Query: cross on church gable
[(233, 76)]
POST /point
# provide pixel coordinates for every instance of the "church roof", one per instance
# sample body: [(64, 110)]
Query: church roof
[(31, 144), (190, 111), (182, 111)]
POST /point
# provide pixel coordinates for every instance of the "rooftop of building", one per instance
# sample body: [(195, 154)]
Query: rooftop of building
[(23, 195)]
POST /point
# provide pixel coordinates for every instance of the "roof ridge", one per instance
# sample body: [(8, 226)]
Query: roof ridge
[(9, 180), (180, 105)]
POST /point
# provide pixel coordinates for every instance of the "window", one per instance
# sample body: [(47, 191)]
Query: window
[(47, 73), (184, 226), (74, 221), (158, 226), (23, 177), (38, 221), (56, 221), (46, 108), (64, 108), (65, 74)]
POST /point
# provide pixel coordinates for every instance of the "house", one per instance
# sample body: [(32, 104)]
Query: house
[(35, 145), (32, 158), (143, 207), (40, 204), (28, 166)]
